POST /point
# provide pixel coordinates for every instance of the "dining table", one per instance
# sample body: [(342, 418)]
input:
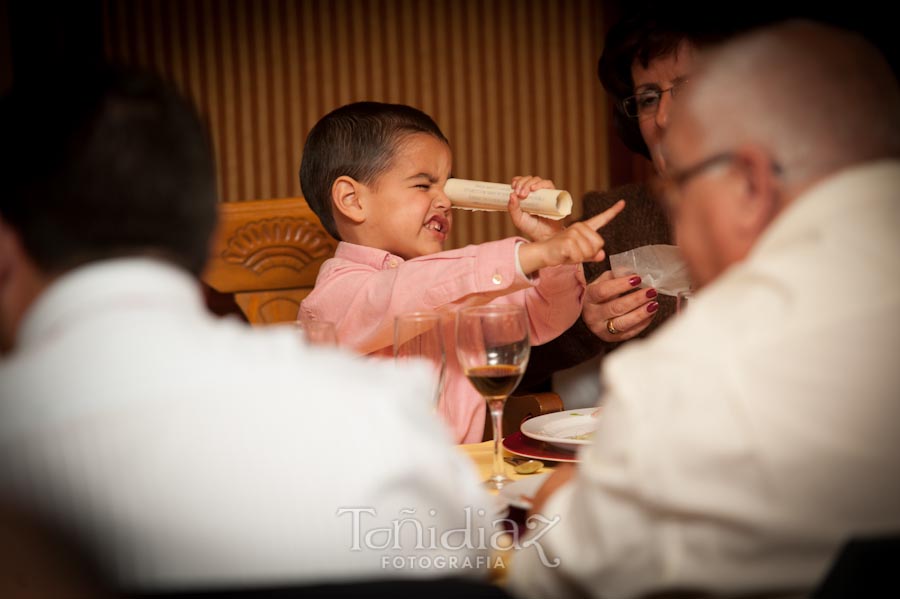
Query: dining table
[(482, 455), (552, 439)]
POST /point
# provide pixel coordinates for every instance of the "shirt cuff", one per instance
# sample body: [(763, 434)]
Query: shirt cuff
[(519, 264), (560, 279)]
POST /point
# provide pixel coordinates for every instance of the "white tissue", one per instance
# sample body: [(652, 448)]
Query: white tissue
[(659, 266)]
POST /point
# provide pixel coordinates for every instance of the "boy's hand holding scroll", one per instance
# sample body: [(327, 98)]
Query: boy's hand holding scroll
[(535, 227)]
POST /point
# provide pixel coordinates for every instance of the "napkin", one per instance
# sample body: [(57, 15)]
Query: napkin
[(659, 266)]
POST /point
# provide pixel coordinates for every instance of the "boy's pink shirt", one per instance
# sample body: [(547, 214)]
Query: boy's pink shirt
[(362, 289)]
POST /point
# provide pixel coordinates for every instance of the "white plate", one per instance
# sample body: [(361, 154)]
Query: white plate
[(520, 445), (562, 429), (519, 493)]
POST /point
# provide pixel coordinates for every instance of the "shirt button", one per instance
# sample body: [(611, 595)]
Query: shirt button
[(393, 263), (497, 279)]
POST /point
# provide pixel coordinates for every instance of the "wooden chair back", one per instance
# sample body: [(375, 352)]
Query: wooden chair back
[(267, 253), (519, 408)]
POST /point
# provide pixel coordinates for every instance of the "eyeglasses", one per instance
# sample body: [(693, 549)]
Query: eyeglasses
[(680, 177), (646, 103), (669, 186)]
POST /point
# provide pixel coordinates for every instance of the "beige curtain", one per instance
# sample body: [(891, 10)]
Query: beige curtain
[(512, 83)]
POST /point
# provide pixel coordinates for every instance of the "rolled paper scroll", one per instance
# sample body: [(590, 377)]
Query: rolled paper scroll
[(554, 204)]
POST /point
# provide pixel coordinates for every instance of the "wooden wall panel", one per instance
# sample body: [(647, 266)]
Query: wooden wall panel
[(511, 82)]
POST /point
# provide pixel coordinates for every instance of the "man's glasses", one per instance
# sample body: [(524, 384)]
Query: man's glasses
[(668, 188), (646, 103), (680, 177)]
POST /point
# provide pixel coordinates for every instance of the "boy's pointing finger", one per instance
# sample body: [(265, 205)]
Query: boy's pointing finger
[(601, 220)]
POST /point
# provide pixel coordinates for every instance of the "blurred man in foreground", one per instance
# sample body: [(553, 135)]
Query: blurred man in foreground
[(757, 432), (189, 452)]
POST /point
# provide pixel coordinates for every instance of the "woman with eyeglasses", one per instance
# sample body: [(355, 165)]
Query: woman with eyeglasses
[(646, 60)]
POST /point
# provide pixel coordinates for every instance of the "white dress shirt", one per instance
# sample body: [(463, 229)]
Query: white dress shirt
[(745, 441), (196, 451)]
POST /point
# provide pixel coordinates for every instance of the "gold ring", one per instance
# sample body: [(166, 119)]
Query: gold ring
[(611, 327)]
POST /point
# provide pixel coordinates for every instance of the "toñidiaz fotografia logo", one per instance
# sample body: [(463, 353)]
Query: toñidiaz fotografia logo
[(415, 540)]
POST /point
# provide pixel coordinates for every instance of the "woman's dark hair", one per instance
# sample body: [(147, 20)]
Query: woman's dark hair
[(357, 140), (655, 30), (104, 164)]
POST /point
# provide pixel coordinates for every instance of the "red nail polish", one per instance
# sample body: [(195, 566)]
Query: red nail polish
[(634, 281), (652, 307), (651, 293)]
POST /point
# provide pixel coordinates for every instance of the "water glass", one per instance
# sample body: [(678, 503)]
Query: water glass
[(417, 335), (317, 332)]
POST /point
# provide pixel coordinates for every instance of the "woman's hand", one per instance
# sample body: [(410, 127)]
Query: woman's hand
[(613, 304), (535, 227)]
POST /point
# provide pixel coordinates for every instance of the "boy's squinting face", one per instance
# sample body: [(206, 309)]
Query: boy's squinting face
[(407, 212)]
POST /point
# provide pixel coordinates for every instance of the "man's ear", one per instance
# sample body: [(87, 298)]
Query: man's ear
[(346, 197), (20, 283), (760, 202), (9, 250)]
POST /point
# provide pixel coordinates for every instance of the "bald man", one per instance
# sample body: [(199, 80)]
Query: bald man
[(741, 446)]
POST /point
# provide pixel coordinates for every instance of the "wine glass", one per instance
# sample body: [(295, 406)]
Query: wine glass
[(492, 347), (417, 335), (317, 332)]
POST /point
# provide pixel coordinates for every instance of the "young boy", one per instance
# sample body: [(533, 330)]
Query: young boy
[(375, 174)]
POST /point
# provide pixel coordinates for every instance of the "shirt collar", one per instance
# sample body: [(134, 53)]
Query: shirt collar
[(98, 287), (374, 257), (838, 193)]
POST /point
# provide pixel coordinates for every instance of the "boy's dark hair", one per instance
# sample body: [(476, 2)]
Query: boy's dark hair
[(104, 164), (654, 30), (357, 140)]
